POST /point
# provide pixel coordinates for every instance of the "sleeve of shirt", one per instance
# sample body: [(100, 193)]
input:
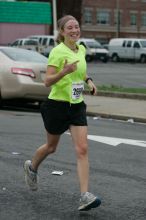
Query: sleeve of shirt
[(83, 49), (54, 58)]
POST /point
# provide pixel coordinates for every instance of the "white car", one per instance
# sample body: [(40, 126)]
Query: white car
[(25, 43), (127, 49), (46, 42), (22, 75), (94, 50)]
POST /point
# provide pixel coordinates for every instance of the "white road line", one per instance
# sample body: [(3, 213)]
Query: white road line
[(116, 141), (113, 141)]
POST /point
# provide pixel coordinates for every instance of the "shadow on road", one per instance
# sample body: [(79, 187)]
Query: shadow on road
[(21, 106)]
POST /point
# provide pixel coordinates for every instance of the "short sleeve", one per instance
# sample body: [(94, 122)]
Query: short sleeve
[(83, 49), (54, 58)]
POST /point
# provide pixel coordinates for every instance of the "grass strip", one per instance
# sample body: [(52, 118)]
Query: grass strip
[(121, 89)]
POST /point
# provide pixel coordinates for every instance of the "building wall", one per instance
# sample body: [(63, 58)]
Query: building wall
[(20, 19), (9, 32), (104, 32), (65, 7)]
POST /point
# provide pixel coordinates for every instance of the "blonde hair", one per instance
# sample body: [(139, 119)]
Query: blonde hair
[(61, 22)]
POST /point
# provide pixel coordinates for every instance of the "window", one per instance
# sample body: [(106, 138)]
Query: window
[(24, 55), (103, 17), (133, 19), (124, 44), (40, 40), (15, 43), (136, 45), (44, 41), (20, 43), (82, 43), (30, 42), (143, 19), (52, 43), (143, 43), (129, 43), (93, 44), (88, 15)]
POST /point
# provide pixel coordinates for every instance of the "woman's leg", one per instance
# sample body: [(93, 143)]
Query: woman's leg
[(43, 151), (79, 137), (30, 167)]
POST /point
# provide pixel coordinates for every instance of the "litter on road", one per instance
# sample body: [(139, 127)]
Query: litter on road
[(57, 172)]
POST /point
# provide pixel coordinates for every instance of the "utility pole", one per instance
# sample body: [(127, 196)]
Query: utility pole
[(118, 18), (54, 18)]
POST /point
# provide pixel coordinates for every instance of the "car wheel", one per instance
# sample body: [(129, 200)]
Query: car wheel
[(143, 59), (88, 58), (105, 60), (115, 58)]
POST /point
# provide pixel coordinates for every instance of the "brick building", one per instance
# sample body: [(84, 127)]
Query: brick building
[(99, 19), (104, 20)]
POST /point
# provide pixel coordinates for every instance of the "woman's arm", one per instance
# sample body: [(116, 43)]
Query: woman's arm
[(91, 85), (52, 76)]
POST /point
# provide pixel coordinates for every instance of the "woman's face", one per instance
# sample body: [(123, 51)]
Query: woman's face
[(71, 31)]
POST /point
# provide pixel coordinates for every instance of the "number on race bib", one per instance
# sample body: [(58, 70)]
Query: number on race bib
[(77, 89)]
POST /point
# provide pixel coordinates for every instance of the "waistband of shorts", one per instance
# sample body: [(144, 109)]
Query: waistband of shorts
[(61, 102)]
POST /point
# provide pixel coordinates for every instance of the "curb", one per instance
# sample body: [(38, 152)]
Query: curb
[(119, 95), (117, 117)]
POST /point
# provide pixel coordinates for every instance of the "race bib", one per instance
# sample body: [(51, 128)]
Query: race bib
[(77, 89)]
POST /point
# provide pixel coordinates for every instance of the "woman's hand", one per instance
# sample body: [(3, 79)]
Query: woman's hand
[(92, 87), (69, 68)]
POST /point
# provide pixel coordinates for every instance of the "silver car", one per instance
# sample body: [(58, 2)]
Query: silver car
[(25, 43), (22, 74)]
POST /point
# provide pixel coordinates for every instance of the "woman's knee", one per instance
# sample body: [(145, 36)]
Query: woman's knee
[(51, 148), (82, 150), (52, 142)]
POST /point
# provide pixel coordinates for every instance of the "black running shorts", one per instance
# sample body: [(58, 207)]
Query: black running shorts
[(58, 115)]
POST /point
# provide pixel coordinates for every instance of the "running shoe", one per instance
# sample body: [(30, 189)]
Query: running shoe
[(88, 201), (31, 177)]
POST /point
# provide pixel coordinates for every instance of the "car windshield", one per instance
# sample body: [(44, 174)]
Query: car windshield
[(94, 44), (31, 42), (143, 43), (18, 54)]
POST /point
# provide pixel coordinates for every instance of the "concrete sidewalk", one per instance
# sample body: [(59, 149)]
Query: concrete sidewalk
[(116, 108)]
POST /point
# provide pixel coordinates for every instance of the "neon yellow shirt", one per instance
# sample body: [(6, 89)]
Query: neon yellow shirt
[(70, 87)]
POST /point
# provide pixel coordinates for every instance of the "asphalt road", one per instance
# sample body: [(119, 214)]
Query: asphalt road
[(117, 171), (120, 74)]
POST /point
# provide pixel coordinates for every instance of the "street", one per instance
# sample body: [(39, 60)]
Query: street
[(117, 171), (126, 74)]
